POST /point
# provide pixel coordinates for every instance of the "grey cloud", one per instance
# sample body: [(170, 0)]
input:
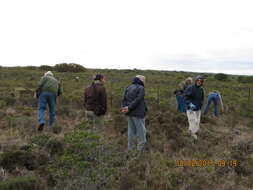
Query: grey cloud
[(208, 65)]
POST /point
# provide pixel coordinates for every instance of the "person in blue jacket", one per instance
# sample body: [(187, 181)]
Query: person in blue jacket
[(133, 105), (194, 97), (214, 97)]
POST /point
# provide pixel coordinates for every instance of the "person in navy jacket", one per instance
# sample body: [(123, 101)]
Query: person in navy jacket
[(194, 98), (134, 106)]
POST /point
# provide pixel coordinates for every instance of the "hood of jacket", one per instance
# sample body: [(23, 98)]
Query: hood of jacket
[(136, 80)]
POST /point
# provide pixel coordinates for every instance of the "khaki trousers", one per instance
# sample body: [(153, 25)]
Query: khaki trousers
[(194, 120)]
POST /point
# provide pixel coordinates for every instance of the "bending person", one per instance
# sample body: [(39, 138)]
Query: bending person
[(214, 97)]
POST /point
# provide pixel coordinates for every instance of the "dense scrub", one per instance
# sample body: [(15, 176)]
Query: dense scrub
[(76, 156)]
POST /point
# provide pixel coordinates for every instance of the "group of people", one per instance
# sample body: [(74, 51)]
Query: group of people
[(95, 104), (189, 96)]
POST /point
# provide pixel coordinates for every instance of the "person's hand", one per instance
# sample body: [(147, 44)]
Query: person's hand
[(124, 109), (192, 106)]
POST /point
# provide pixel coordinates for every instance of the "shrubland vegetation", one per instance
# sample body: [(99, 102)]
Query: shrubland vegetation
[(75, 156)]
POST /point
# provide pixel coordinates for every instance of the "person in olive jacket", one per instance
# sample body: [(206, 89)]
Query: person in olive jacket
[(133, 104), (48, 89), (95, 101)]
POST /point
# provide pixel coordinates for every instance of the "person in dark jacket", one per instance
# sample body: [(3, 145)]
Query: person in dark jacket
[(48, 89), (194, 97), (95, 101), (133, 105)]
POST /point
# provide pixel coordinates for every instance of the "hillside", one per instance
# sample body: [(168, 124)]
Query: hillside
[(75, 156)]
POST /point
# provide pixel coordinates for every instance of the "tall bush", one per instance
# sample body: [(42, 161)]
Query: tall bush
[(221, 76), (46, 68), (245, 79), (71, 67)]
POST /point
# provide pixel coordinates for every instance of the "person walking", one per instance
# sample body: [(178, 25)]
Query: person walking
[(134, 106), (214, 97), (48, 89), (179, 94), (95, 101), (194, 97)]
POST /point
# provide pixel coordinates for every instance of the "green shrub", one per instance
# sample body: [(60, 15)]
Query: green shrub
[(221, 76), (10, 100), (245, 79), (19, 122), (46, 68), (54, 147), (83, 125), (2, 103), (57, 129), (2, 114), (174, 179), (81, 140), (9, 160), (71, 67), (31, 67), (40, 140), (21, 183)]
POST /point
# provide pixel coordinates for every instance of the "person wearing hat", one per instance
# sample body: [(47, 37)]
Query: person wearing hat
[(214, 97), (194, 97), (95, 101), (48, 89), (179, 93), (134, 106)]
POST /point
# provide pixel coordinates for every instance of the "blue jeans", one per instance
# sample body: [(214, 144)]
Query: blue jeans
[(180, 103), (212, 98), (136, 128), (44, 99)]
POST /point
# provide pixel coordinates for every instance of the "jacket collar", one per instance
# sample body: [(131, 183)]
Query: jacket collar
[(97, 82), (137, 81)]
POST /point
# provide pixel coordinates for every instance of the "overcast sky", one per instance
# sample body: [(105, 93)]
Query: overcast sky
[(183, 35)]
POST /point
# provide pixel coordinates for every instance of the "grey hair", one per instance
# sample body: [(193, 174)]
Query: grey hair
[(141, 77), (49, 73)]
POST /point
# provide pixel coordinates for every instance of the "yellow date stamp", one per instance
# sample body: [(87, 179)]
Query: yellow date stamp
[(206, 163)]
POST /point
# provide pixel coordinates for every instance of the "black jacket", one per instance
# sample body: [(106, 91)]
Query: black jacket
[(194, 94), (134, 99)]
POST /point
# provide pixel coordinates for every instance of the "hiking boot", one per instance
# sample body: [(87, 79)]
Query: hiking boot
[(41, 126)]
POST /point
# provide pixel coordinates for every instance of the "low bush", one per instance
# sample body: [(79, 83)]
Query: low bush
[(54, 146), (221, 76), (9, 160), (21, 183), (71, 67), (46, 68), (40, 140), (245, 79)]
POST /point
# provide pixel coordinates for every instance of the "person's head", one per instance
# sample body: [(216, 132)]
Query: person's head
[(199, 81), (100, 78), (188, 80), (49, 73), (141, 77)]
